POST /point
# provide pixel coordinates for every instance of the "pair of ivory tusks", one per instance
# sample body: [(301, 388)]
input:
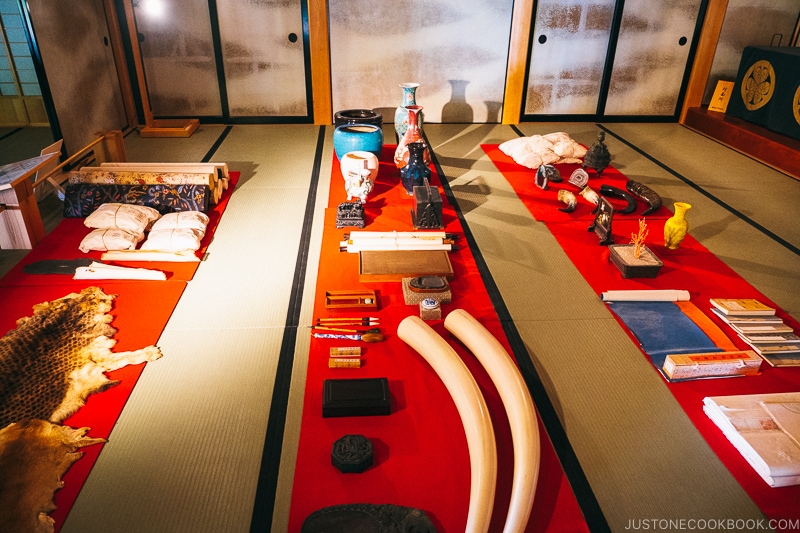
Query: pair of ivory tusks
[(473, 411), (474, 416)]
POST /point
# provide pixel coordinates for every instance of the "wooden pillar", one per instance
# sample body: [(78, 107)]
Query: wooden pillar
[(114, 146), (319, 48), (704, 57), (521, 19)]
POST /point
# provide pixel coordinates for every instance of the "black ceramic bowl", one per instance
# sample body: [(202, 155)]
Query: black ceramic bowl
[(357, 116)]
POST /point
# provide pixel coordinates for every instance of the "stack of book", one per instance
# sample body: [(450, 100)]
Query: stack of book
[(765, 429), (757, 325)]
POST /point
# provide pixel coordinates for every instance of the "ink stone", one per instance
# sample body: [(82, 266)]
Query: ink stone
[(352, 454), (368, 518)]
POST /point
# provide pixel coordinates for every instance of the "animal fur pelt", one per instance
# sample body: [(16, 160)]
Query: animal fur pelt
[(56, 358), (34, 455), (49, 364)]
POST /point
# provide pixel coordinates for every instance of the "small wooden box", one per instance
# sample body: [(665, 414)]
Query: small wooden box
[(414, 298), (358, 298), (355, 397), (712, 364), (395, 265)]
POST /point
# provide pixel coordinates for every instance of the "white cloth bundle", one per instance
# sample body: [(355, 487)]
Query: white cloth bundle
[(547, 149), (133, 218), (103, 239), (172, 240), (193, 220)]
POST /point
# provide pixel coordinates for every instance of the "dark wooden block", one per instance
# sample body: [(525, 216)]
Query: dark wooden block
[(427, 213), (355, 397)]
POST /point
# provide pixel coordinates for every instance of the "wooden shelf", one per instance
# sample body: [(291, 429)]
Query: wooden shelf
[(773, 149)]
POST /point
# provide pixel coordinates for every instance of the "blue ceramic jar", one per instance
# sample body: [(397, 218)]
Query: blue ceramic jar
[(357, 137)]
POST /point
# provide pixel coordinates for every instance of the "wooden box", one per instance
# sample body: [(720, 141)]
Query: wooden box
[(712, 364), (355, 397), (395, 265)]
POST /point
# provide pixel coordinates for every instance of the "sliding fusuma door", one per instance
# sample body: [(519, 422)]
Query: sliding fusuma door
[(602, 58)]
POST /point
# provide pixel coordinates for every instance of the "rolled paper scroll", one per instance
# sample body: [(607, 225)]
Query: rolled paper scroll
[(473, 411), (519, 407), (665, 295)]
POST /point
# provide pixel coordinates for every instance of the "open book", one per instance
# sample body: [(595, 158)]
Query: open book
[(765, 428)]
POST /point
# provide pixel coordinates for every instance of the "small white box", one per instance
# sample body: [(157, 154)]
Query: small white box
[(712, 364)]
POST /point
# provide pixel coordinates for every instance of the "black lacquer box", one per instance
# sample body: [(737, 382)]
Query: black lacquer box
[(355, 397)]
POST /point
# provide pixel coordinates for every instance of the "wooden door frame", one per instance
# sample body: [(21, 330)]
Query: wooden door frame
[(704, 56), (521, 26)]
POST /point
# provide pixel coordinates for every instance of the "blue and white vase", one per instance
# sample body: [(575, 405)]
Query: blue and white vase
[(401, 113)]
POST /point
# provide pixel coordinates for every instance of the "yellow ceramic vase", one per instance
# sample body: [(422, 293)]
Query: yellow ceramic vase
[(676, 226)]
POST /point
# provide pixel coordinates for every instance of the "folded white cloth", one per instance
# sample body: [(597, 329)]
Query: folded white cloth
[(547, 149), (102, 271), (184, 256)]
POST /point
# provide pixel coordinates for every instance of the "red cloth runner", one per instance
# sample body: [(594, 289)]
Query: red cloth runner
[(63, 242), (141, 311), (420, 452), (691, 267)]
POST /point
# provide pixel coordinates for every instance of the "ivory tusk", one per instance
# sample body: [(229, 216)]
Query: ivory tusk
[(473, 411), (519, 407)]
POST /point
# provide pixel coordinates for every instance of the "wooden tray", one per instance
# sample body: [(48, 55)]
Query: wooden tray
[(357, 298), (396, 265)]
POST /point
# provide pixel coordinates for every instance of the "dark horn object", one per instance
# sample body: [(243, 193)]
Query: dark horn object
[(615, 192), (645, 193)]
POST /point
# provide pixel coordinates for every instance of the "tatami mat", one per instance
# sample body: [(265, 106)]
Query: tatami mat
[(178, 149), (189, 443), (221, 347), (186, 452)]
